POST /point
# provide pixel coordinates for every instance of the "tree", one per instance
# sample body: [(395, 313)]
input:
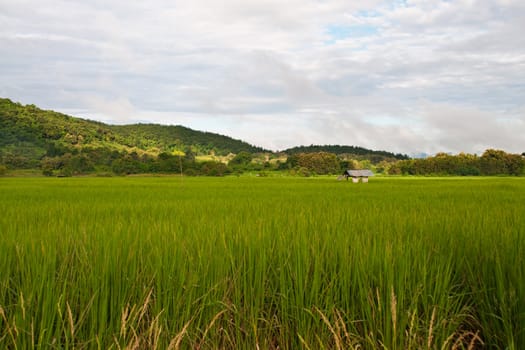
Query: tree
[(49, 164), (514, 164), (212, 168), (492, 162), (241, 161), (394, 169), (319, 163), (347, 164), (126, 165)]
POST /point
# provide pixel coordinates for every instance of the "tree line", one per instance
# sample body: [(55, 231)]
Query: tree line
[(346, 150), (110, 162), (113, 162), (28, 134), (491, 162), (31, 138)]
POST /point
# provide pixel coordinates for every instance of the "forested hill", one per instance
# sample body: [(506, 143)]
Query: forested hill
[(167, 137), (58, 144), (340, 150), (28, 133)]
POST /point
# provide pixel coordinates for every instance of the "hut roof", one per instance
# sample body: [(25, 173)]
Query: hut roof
[(359, 173)]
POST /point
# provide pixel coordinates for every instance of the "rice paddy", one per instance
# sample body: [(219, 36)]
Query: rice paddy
[(262, 263)]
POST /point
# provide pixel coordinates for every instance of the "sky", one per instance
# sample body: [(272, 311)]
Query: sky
[(411, 76)]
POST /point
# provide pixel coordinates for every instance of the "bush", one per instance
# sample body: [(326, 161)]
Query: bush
[(104, 174), (320, 163), (304, 172), (190, 172), (469, 171), (212, 168), (65, 172)]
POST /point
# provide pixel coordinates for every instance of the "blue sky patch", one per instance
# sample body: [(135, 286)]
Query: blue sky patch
[(339, 32)]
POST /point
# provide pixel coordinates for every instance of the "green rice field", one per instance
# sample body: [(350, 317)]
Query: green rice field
[(262, 263)]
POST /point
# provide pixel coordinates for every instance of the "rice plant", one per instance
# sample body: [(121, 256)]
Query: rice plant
[(268, 263)]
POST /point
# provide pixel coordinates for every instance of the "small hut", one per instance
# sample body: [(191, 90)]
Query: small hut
[(357, 175)]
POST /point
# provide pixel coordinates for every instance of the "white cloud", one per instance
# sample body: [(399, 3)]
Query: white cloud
[(425, 75)]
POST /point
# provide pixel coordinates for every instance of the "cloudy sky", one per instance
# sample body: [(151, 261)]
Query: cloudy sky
[(405, 76)]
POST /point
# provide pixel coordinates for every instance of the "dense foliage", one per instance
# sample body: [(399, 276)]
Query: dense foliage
[(360, 152), (61, 145), (319, 163), (31, 137), (262, 263), (491, 162), (169, 138)]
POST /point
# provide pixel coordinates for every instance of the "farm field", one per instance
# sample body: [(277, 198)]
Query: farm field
[(262, 263)]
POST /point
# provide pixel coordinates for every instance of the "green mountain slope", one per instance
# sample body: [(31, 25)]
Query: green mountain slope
[(28, 133), (170, 137), (32, 138), (346, 150)]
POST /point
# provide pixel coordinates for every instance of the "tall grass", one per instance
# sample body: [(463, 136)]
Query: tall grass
[(262, 263)]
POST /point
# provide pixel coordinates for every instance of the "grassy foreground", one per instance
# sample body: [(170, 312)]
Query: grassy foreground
[(264, 263)]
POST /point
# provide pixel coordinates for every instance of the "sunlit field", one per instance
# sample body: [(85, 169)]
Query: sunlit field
[(262, 263)]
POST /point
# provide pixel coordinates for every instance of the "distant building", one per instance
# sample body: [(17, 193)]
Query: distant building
[(357, 175)]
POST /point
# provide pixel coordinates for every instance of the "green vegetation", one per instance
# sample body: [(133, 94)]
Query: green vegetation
[(57, 144), (319, 163), (169, 138), (245, 263), (60, 145), (34, 138), (353, 151), (491, 162)]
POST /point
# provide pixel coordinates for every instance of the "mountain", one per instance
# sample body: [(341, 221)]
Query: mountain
[(352, 151), (168, 137), (28, 133), (59, 144)]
